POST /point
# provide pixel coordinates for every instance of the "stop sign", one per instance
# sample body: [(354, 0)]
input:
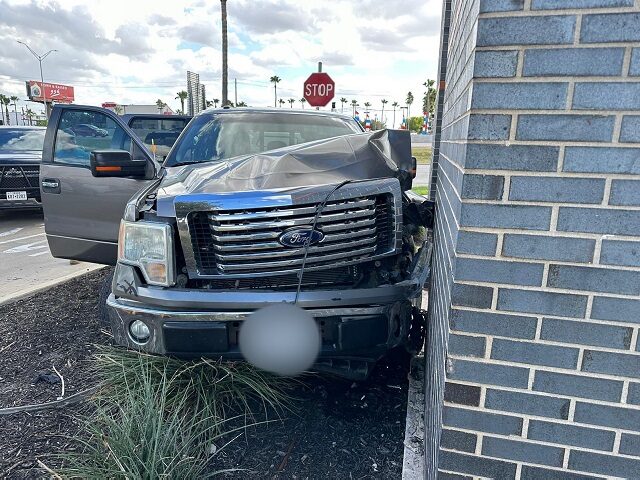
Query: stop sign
[(319, 89)]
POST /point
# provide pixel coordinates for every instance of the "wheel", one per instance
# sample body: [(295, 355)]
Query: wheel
[(103, 294)]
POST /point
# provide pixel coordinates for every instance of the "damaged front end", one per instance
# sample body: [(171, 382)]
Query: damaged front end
[(331, 226)]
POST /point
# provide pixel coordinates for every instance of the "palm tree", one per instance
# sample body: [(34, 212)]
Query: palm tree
[(394, 105), (302, 101), (4, 121), (241, 104), (6, 101), (29, 114), (182, 96), (275, 80), (160, 104), (384, 102), (281, 102), (367, 105), (409, 101), (15, 99), (225, 48), (118, 109), (429, 96), (291, 101), (342, 102), (354, 104)]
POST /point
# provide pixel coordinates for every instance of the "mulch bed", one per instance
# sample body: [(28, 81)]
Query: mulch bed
[(339, 429)]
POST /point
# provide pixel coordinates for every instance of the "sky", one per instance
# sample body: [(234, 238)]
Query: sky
[(136, 51)]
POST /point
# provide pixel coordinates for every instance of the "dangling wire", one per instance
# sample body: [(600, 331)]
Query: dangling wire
[(307, 243)]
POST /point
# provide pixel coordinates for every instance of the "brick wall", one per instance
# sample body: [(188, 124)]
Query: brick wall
[(537, 258)]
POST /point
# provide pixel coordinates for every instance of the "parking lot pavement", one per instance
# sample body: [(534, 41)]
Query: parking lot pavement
[(25, 261)]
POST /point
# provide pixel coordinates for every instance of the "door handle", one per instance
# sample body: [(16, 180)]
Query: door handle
[(51, 185)]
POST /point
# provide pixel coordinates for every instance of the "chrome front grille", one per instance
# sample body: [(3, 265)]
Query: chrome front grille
[(242, 242)]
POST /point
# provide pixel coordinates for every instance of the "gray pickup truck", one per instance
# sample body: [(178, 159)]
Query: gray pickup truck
[(251, 208)]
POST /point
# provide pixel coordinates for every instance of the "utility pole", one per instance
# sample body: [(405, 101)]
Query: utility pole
[(235, 86), (225, 71), (40, 58)]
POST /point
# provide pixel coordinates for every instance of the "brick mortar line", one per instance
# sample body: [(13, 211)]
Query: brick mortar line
[(565, 458), (519, 64), (530, 379), (617, 268), (538, 203), (616, 443), (634, 339), (607, 192), (537, 442), (577, 30), (617, 128), (557, 12), (580, 358), (597, 250), (553, 223), (543, 143), (542, 233), (563, 421), (546, 289), (545, 274), (561, 155), (625, 392), (548, 369), (571, 88), (546, 342), (488, 348), (478, 450), (518, 474), (545, 233), (499, 245), (506, 189), (589, 309), (538, 334), (558, 79), (553, 46), (523, 463), (626, 62)]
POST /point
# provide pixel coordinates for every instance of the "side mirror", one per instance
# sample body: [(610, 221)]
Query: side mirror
[(414, 167), (116, 163)]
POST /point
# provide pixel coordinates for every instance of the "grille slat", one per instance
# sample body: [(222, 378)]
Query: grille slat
[(244, 241)]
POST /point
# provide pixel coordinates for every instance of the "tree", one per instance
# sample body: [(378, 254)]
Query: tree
[(384, 102), (354, 104), (29, 114), (15, 99), (275, 80), (429, 99), (4, 121), (409, 101), (241, 104), (281, 102), (342, 101), (394, 105), (118, 109), (367, 105), (160, 104), (414, 124), (6, 101), (291, 101), (182, 96), (302, 102), (225, 48)]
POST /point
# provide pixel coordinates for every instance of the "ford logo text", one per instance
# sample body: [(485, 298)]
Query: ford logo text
[(298, 237)]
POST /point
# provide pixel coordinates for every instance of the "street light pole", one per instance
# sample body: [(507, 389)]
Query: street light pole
[(44, 90)]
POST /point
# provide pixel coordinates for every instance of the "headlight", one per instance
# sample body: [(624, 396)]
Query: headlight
[(148, 246)]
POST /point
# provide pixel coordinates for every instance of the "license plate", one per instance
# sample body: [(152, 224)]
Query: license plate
[(16, 195)]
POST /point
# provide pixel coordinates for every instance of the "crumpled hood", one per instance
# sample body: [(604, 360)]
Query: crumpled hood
[(380, 154)]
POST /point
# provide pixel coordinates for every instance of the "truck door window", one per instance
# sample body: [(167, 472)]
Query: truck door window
[(80, 132), (160, 132)]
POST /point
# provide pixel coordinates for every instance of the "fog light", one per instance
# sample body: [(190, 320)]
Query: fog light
[(139, 331)]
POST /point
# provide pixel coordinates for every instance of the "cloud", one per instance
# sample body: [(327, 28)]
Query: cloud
[(271, 17), (385, 40), (161, 20)]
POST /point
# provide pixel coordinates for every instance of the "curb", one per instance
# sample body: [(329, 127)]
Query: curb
[(413, 466), (27, 292)]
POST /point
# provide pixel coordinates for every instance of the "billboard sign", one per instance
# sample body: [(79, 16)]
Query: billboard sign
[(51, 91)]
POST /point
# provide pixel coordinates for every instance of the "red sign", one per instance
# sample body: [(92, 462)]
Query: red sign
[(109, 105), (319, 89), (53, 92)]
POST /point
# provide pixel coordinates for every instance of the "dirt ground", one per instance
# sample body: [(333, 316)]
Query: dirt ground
[(340, 429)]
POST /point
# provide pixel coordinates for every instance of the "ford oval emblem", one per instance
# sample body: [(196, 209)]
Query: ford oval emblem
[(298, 237)]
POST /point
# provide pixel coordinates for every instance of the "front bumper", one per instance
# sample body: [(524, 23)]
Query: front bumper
[(19, 204), (355, 323)]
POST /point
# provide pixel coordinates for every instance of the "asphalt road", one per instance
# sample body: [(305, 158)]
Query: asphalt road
[(25, 261)]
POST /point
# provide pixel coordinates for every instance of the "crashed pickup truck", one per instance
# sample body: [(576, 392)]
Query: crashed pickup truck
[(251, 208)]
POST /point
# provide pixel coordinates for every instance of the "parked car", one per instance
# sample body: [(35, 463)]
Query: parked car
[(85, 130), (251, 208), (158, 132), (20, 155)]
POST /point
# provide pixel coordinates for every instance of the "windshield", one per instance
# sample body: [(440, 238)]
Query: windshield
[(158, 133), (12, 139), (216, 137)]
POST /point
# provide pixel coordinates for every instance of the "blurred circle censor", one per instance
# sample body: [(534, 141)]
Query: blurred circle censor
[(282, 339)]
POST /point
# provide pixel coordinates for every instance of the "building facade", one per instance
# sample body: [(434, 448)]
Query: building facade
[(533, 357)]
